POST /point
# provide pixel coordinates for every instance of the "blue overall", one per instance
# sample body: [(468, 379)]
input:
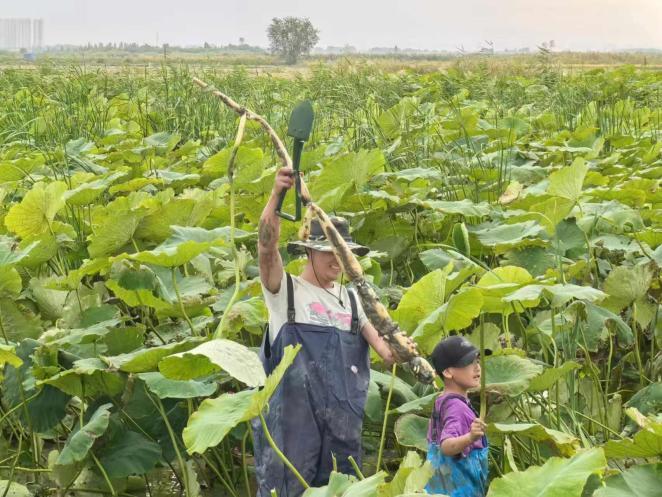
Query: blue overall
[(316, 413), (455, 476)]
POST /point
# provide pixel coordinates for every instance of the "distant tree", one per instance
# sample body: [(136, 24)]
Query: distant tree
[(292, 37)]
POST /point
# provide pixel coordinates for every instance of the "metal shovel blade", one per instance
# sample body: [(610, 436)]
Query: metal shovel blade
[(301, 121)]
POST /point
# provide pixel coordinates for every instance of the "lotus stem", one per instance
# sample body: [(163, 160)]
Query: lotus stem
[(483, 393), (237, 277), (280, 454), (386, 409), (357, 470)]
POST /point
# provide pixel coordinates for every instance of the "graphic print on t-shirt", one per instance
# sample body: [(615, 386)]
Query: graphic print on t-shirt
[(321, 315)]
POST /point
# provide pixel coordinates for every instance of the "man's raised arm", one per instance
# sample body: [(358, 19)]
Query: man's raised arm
[(271, 265)]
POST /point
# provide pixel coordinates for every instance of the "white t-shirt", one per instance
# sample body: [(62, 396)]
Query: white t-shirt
[(312, 305)]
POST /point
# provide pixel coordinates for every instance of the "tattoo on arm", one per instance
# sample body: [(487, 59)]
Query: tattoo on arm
[(265, 233)]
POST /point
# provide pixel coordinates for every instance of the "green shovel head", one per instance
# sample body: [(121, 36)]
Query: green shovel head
[(301, 121)]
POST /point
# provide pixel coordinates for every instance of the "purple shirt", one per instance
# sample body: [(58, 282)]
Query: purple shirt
[(456, 420)]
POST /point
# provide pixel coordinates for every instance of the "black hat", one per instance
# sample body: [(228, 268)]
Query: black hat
[(454, 352), (317, 239)]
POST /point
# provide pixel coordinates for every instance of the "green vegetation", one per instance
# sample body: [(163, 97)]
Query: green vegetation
[(524, 200)]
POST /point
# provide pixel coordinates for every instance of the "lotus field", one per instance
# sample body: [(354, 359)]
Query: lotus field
[(521, 201)]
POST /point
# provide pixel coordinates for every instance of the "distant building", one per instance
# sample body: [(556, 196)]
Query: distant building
[(21, 34)]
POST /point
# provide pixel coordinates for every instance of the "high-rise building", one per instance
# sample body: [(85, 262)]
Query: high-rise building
[(37, 33), (21, 33)]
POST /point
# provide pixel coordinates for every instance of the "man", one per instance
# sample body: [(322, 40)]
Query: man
[(316, 414)]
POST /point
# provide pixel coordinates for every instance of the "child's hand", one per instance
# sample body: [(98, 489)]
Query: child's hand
[(478, 427)]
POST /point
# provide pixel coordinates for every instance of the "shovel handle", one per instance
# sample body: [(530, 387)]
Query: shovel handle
[(298, 147), (282, 214)]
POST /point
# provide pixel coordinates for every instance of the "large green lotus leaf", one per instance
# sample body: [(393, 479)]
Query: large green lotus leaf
[(570, 240), (648, 400), (502, 237), (393, 122), (559, 294), (651, 236), (411, 477), (374, 405), (247, 158), (610, 217), (36, 212), (366, 487), (551, 212), (155, 227), (43, 248), (180, 249), (8, 356), (87, 378), (81, 440), (88, 193), (17, 321), (66, 338), (646, 443), (123, 340), (174, 179), (129, 453), (536, 260), (50, 302), (558, 477), (113, 232), (10, 254), (248, 314), (10, 282), (456, 314), (638, 481), (567, 182), (401, 390), (187, 286), (163, 141), (216, 417), (565, 444), (145, 360), (234, 358), (500, 282), (509, 374), (422, 298), (463, 207), (416, 405), (338, 483), (411, 431), (598, 319), (341, 485), (550, 376), (624, 285), (136, 298), (353, 169), (15, 489), (165, 388)]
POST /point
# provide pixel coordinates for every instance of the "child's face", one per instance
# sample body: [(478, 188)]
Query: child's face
[(467, 377)]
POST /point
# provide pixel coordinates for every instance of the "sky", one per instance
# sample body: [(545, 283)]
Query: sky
[(422, 24)]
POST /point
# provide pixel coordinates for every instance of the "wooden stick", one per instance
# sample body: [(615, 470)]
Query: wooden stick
[(403, 347), (278, 143)]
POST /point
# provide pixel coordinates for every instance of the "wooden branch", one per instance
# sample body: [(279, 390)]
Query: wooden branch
[(403, 347), (239, 109)]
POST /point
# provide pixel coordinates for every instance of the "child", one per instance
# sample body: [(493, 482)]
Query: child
[(457, 446)]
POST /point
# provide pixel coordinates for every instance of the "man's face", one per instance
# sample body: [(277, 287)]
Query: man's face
[(326, 265)]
